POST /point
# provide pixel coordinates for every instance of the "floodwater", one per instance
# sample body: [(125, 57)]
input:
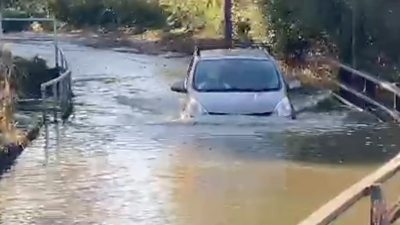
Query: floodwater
[(125, 157)]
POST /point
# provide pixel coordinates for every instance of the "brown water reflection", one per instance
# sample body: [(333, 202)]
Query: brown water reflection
[(234, 191)]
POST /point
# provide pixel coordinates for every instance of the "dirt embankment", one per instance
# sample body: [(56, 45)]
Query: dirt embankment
[(152, 42)]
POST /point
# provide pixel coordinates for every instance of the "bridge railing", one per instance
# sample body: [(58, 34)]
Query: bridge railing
[(381, 213), (56, 94), (363, 87)]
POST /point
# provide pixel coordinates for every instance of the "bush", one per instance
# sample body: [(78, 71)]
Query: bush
[(138, 13), (195, 14), (29, 74), (15, 26), (77, 12), (89, 12), (299, 24)]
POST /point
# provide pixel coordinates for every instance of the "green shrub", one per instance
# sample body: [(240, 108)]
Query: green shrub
[(195, 14), (331, 21), (77, 12), (89, 12), (15, 26), (138, 13), (29, 74)]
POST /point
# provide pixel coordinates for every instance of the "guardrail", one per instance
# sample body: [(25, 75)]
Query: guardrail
[(380, 212), (364, 87), (361, 89), (56, 94)]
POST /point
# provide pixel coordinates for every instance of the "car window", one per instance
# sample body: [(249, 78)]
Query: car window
[(236, 75)]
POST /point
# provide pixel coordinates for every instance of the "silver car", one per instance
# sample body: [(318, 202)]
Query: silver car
[(238, 81)]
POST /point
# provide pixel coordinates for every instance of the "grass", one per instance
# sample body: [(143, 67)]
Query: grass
[(9, 133)]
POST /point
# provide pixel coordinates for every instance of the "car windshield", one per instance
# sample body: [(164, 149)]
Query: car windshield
[(226, 75)]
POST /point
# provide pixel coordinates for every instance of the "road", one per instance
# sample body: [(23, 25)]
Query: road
[(125, 158)]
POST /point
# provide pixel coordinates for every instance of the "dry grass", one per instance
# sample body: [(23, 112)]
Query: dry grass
[(310, 74), (9, 133)]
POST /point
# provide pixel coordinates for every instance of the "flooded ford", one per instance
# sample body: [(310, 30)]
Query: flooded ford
[(126, 157)]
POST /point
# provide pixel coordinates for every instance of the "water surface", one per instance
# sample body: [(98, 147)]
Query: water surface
[(126, 158)]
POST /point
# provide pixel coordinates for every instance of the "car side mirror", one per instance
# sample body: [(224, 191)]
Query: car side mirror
[(179, 87)]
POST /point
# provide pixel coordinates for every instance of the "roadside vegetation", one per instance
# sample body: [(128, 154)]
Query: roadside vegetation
[(293, 27), (9, 134), (29, 74), (334, 27)]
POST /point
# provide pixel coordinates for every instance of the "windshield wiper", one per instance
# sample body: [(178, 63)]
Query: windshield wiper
[(252, 89), (239, 90)]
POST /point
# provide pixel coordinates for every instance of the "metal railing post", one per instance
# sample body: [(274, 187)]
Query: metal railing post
[(69, 83), (55, 101), (62, 94), (396, 100), (379, 214), (1, 25), (43, 90), (55, 42)]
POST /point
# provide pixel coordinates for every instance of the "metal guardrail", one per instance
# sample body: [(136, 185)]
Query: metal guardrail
[(380, 212), (56, 92), (365, 86)]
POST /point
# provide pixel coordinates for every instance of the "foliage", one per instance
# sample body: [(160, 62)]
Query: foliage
[(295, 27), (195, 14), (15, 26), (298, 25), (192, 15), (89, 12), (207, 16), (29, 74), (138, 13), (251, 13), (8, 131), (31, 6), (77, 12)]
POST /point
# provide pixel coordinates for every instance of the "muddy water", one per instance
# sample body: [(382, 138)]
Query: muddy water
[(125, 158)]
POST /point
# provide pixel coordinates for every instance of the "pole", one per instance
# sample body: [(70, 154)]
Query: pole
[(228, 21), (1, 19), (1, 25), (354, 34), (55, 41)]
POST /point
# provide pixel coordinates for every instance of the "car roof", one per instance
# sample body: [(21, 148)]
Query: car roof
[(257, 53)]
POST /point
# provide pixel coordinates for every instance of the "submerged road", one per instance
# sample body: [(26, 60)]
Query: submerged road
[(125, 158)]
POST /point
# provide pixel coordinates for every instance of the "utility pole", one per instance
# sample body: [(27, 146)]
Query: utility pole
[(228, 21)]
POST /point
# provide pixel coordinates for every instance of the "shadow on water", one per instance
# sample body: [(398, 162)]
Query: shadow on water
[(311, 140), (363, 145)]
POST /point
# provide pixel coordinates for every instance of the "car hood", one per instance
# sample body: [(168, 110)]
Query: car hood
[(239, 103)]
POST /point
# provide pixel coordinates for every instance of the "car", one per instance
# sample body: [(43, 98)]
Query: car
[(234, 81)]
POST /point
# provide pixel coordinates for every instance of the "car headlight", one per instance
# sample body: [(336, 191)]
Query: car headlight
[(194, 109), (284, 108)]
